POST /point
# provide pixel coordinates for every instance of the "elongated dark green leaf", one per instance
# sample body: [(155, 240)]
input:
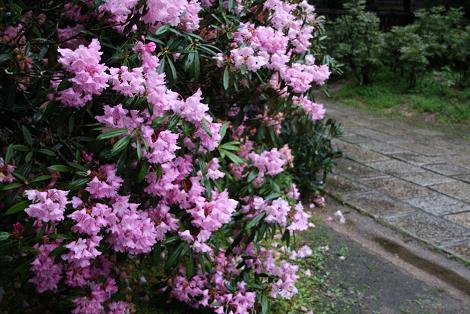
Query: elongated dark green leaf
[(233, 157), (10, 186), (139, 149), (4, 235), (40, 178), (255, 221), (205, 128), (196, 65), (223, 130), (18, 207), (9, 153), (76, 184), (120, 145), (162, 30), (172, 69), (47, 152), (60, 168), (27, 135), (226, 78), (252, 175), (21, 148), (111, 134), (58, 251)]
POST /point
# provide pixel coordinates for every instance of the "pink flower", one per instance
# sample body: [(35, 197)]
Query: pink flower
[(6, 172), (47, 273), (47, 206), (105, 184), (118, 307), (82, 251), (315, 111), (213, 171), (133, 232), (90, 77)]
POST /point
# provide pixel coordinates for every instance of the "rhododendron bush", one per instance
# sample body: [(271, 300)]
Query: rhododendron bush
[(141, 151)]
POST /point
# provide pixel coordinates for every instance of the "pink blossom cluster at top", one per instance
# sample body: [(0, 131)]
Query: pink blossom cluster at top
[(158, 12), (90, 76), (268, 46)]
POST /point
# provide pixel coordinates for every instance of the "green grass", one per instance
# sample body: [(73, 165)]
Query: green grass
[(431, 100)]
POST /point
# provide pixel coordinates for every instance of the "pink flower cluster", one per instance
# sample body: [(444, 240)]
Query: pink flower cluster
[(47, 206), (315, 111), (158, 12), (89, 75)]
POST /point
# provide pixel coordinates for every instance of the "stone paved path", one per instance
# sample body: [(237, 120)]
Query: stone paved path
[(412, 178)]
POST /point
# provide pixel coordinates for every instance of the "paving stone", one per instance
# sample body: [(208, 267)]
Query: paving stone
[(355, 170), (354, 138), (457, 189), (381, 147), (462, 219), (426, 178), (430, 228), (340, 184), (416, 159), (398, 188), (461, 249), (394, 167), (425, 149), (438, 204), (378, 204), (427, 132), (372, 134), (358, 153), (463, 177), (447, 169)]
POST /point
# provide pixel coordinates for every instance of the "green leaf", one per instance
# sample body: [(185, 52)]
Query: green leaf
[(9, 153), (4, 235), (255, 221), (120, 145), (18, 207), (252, 176), (172, 69), (173, 122), (64, 85), (139, 149), (162, 30), (47, 152), (111, 134), (40, 178), (233, 145), (59, 236), (4, 57), (76, 184), (223, 130), (60, 168), (233, 157), (28, 157), (21, 148), (10, 186), (196, 65), (205, 128), (264, 301), (226, 78), (27, 135), (58, 251), (175, 256), (159, 120), (190, 266)]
